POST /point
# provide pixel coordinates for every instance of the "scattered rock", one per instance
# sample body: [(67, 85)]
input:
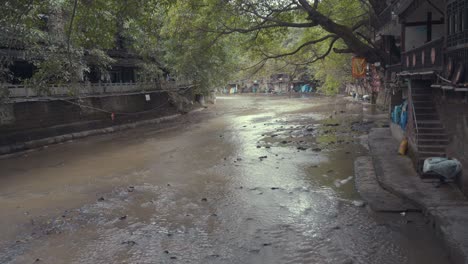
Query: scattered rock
[(130, 188), (239, 159), (275, 188), (284, 142), (129, 242), (166, 251), (37, 260), (204, 200), (258, 146), (266, 244), (123, 217), (173, 257), (359, 203), (101, 199), (262, 157), (317, 149), (332, 125), (301, 148)]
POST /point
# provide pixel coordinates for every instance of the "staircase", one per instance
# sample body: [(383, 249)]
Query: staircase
[(431, 138)]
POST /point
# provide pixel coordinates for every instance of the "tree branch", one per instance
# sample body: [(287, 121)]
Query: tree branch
[(303, 45)]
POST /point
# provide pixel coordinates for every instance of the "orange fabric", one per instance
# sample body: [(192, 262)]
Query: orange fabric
[(359, 67)]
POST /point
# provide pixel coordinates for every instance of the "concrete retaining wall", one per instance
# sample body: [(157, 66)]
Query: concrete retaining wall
[(452, 108), (26, 124)]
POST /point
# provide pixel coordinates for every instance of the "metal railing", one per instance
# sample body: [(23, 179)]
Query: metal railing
[(428, 56), (413, 112), (81, 89)]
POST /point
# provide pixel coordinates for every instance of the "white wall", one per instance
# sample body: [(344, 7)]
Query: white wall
[(416, 36)]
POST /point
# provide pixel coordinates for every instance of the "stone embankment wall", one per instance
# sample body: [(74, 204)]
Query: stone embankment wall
[(452, 108), (29, 120)]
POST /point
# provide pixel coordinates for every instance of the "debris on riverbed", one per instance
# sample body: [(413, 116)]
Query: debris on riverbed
[(362, 126), (129, 242), (359, 203), (332, 125), (339, 183)]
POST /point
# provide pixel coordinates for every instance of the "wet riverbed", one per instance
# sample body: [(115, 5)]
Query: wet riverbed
[(249, 180)]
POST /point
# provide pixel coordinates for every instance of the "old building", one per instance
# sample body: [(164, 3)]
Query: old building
[(427, 46)]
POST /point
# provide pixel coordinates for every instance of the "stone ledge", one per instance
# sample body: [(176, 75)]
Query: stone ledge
[(377, 198), (446, 206), (15, 150)]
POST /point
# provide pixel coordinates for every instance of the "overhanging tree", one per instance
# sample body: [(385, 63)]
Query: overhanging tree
[(344, 25)]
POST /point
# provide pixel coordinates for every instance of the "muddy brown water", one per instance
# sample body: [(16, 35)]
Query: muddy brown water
[(253, 179)]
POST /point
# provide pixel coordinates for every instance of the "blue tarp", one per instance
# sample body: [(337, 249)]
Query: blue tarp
[(306, 88), (400, 115)]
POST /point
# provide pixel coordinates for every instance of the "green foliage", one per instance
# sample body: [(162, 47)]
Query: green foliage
[(207, 42), (334, 72)]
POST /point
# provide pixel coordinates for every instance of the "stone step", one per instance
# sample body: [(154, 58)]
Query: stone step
[(433, 141), (427, 116), (432, 148), (423, 104), (429, 124), (425, 109), (430, 154), (422, 90), (421, 97), (432, 133), (419, 93)]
